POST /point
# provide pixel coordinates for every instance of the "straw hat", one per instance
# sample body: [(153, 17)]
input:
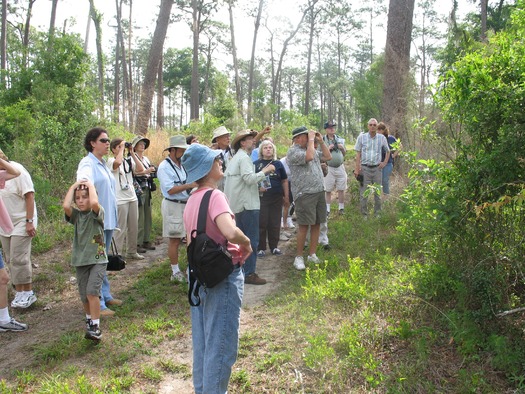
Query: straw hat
[(177, 141), (242, 134)]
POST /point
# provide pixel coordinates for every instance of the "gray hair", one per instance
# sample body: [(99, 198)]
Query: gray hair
[(263, 144)]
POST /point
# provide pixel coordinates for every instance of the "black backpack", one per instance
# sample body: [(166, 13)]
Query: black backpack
[(209, 263)]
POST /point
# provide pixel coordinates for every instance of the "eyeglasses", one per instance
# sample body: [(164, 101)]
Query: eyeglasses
[(104, 140), (372, 124)]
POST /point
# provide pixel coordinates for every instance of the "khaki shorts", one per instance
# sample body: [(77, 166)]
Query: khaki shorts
[(310, 208), (336, 179), (17, 251), (89, 279), (172, 223)]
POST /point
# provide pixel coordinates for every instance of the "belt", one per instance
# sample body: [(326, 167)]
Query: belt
[(177, 201), (370, 166)]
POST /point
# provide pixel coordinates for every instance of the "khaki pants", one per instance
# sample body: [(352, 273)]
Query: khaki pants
[(17, 251)]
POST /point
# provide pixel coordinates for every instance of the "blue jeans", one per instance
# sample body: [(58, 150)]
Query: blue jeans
[(215, 334), (106, 292), (387, 171), (248, 222)]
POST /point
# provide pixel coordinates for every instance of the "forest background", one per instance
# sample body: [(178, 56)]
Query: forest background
[(454, 97)]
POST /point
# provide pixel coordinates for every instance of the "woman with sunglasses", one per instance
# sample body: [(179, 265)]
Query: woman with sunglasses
[(94, 169)]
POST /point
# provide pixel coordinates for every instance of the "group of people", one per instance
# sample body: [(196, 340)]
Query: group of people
[(111, 200)]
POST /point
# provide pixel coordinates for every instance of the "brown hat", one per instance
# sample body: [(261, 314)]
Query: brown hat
[(241, 135)]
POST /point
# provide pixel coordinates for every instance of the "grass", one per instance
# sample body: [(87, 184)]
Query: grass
[(359, 322)]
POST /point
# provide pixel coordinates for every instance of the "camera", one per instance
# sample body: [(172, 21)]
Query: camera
[(154, 173), (125, 187), (127, 145)]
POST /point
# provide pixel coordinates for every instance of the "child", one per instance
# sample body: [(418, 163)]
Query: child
[(89, 252)]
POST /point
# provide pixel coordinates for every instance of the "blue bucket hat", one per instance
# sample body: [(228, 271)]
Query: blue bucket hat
[(197, 161)]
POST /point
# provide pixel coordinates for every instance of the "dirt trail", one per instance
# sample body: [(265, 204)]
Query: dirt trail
[(48, 320)]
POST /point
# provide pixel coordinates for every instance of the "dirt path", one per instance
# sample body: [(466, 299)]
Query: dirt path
[(49, 318)]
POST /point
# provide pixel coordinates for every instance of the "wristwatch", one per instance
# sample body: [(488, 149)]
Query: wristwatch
[(29, 220)]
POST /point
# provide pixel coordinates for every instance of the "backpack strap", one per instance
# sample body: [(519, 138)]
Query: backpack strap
[(194, 285)]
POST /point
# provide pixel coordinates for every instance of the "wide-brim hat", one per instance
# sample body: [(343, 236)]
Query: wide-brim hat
[(218, 132), (139, 138), (299, 130), (197, 161), (177, 141), (243, 134)]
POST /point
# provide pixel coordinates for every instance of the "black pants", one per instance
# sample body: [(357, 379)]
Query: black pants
[(270, 220)]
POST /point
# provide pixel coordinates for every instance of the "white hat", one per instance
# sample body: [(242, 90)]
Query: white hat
[(177, 141), (218, 132)]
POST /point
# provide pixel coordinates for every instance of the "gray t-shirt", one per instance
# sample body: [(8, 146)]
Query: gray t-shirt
[(88, 242), (307, 176)]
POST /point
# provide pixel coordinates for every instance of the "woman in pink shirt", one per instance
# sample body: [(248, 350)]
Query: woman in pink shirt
[(215, 322)]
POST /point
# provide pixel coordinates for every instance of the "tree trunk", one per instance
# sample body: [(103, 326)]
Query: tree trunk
[(235, 63), (160, 96), (252, 61), (54, 4), (154, 58), (129, 86), (194, 95), (25, 41), (397, 63), (312, 16), (483, 33), (97, 18), (277, 79), (3, 42)]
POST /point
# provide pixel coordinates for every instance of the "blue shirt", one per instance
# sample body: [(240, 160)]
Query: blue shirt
[(169, 175), (371, 148), (96, 171)]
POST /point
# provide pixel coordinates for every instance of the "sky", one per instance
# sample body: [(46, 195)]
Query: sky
[(75, 12)]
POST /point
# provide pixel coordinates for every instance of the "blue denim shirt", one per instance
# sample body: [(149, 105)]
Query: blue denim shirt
[(96, 171)]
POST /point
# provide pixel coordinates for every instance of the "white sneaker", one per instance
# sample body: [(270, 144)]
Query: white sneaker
[(283, 238), (289, 223), (27, 300), (16, 300), (313, 259), (298, 263), (178, 277)]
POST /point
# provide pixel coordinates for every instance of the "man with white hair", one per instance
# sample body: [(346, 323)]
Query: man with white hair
[(368, 163)]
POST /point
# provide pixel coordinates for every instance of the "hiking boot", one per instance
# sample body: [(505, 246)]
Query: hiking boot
[(313, 259), (106, 312), (261, 253), (134, 256), (298, 263), (178, 277), (26, 300), (254, 279), (93, 332), (141, 249), (148, 246), (277, 252), (115, 302), (13, 325)]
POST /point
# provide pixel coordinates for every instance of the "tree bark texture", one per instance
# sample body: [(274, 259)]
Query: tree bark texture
[(160, 96), (3, 42), (150, 75), (97, 18), (397, 65), (234, 55), (252, 60)]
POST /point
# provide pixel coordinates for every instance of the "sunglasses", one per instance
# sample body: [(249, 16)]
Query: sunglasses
[(372, 124), (104, 140)]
